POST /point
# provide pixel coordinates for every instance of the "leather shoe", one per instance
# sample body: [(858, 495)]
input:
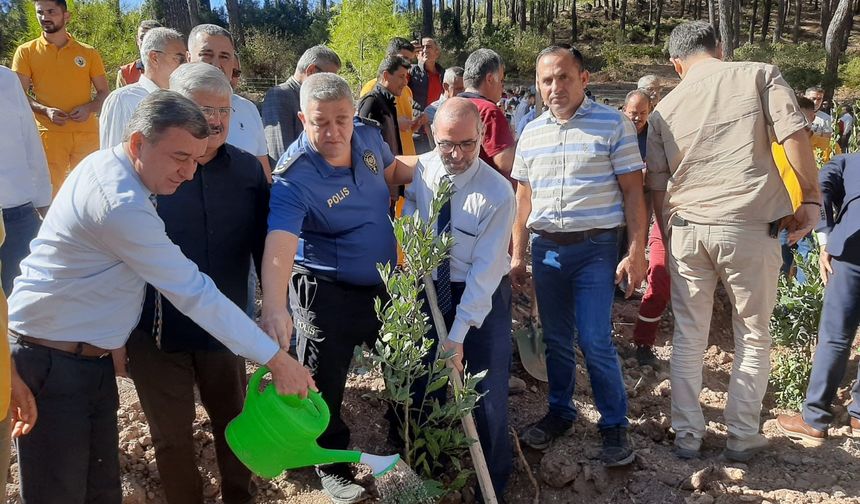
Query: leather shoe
[(855, 427), (795, 427)]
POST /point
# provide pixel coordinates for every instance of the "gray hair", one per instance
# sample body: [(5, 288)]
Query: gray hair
[(648, 81), (317, 55), (323, 87), (638, 92), (212, 30), (479, 65), (452, 74), (193, 78), (814, 89), (157, 39), (162, 110), (692, 38)]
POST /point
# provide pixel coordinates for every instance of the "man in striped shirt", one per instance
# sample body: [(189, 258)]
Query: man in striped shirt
[(580, 175)]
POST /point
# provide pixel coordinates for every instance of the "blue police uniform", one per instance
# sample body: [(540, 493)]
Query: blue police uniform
[(340, 215)]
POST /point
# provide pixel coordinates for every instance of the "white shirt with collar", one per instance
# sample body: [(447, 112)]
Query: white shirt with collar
[(118, 108), (482, 217), (24, 174), (246, 127), (100, 244)]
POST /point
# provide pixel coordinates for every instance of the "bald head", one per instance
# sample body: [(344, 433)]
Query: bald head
[(457, 130), (458, 110)]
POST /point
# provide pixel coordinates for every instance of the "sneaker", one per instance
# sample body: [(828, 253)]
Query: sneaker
[(687, 446), (742, 450), (616, 450), (539, 435), (645, 356), (339, 484), (795, 427)]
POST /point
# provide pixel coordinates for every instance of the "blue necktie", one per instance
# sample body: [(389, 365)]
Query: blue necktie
[(443, 271)]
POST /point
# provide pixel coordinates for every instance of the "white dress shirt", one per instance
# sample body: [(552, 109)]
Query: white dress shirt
[(100, 244), (482, 217), (246, 127), (24, 174), (823, 123), (118, 108)]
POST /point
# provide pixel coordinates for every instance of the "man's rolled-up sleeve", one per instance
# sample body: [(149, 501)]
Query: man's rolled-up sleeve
[(657, 171), (780, 105)]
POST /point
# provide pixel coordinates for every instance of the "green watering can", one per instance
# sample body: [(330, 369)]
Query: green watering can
[(278, 432)]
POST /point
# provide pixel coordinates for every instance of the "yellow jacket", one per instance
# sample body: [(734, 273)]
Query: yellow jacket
[(789, 178)]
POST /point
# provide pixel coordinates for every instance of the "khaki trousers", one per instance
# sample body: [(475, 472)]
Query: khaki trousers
[(747, 261)]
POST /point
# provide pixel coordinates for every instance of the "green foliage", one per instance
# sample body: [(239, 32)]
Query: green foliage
[(518, 49), (360, 32), (101, 24), (267, 54), (794, 328), (849, 72), (616, 58), (802, 65), (403, 353), (13, 24)]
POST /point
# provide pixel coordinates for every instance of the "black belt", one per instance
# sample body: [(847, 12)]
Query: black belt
[(76, 348), (573, 237)]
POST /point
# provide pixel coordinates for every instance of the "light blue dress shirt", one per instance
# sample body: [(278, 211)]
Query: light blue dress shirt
[(100, 244), (482, 217)]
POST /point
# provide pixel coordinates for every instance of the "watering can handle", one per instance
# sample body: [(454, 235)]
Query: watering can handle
[(256, 378)]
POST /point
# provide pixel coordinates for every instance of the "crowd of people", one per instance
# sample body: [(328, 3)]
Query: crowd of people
[(139, 222)]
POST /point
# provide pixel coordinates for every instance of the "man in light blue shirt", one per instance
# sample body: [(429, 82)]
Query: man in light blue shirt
[(80, 294), (473, 287)]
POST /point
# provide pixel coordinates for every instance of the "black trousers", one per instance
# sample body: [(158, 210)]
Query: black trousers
[(331, 319), (71, 456), (165, 384)]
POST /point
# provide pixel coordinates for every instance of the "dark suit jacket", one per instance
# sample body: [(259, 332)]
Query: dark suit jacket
[(840, 186), (379, 106)]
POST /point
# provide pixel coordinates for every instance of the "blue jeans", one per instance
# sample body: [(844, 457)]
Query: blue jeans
[(840, 317), (803, 246), (574, 285), (22, 225)]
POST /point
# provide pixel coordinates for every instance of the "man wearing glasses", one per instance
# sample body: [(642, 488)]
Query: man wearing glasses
[(473, 286), (161, 51), (218, 220)]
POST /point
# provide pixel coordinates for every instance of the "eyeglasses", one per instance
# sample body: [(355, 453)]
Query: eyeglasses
[(446, 147), (223, 112), (180, 57)]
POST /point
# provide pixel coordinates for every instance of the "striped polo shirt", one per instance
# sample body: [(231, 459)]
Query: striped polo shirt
[(572, 168)]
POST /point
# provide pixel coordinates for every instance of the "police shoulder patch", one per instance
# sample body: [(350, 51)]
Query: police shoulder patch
[(286, 162), (368, 122)]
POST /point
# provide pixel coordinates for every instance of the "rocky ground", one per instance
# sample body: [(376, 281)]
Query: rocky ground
[(569, 471)]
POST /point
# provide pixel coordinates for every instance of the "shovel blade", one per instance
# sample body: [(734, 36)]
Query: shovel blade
[(532, 351)]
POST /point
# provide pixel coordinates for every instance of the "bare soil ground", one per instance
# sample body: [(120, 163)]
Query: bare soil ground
[(569, 471)]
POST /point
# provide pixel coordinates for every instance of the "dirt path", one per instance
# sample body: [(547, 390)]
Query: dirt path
[(569, 470)]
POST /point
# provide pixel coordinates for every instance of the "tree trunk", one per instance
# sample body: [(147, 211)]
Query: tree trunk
[(521, 12), (765, 19), (798, 7), (175, 14), (752, 21), (832, 44), (713, 16), (825, 19), (726, 29), (574, 34), (736, 19), (656, 39), (682, 9), (235, 22), (193, 12), (650, 12), (427, 18), (848, 33), (777, 31), (489, 22), (623, 15)]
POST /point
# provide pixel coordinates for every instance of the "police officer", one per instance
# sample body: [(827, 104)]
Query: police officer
[(328, 228)]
